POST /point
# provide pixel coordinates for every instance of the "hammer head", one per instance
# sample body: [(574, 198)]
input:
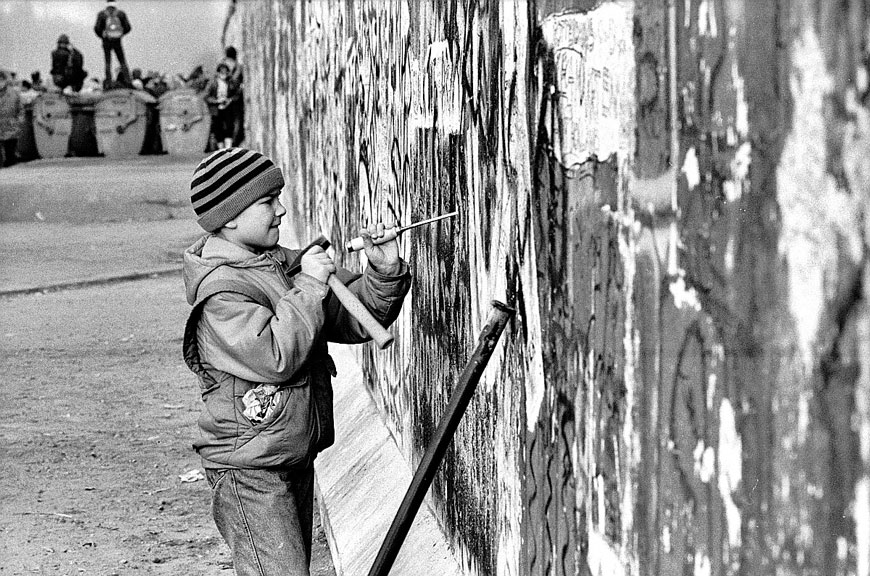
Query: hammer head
[(295, 266), (320, 241)]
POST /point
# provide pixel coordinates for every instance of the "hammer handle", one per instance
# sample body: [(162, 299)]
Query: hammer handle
[(358, 310), (357, 243)]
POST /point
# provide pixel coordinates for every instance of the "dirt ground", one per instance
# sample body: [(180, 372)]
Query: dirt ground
[(96, 436), (77, 190), (97, 417)]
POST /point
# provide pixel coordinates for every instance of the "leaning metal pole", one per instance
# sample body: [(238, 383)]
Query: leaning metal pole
[(495, 324)]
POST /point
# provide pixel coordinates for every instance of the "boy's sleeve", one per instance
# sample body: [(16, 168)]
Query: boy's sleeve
[(380, 293), (125, 22), (248, 340)]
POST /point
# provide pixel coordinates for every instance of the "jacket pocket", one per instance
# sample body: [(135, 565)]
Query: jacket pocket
[(287, 437), (220, 418), (286, 402)]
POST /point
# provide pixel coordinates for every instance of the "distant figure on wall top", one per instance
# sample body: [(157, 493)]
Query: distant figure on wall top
[(67, 66), (36, 81), (111, 26), (136, 79), (197, 79)]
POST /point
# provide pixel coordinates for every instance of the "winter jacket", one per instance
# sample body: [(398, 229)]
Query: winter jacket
[(11, 113), (100, 25), (67, 66), (235, 343), (233, 95)]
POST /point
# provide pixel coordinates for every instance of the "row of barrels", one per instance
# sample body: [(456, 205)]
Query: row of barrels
[(119, 120)]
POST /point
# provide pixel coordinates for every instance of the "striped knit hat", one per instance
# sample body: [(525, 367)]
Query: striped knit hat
[(228, 181)]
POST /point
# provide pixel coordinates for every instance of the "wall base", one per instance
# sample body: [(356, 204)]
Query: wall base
[(360, 483)]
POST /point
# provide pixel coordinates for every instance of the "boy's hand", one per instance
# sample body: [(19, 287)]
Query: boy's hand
[(317, 264), (383, 257)]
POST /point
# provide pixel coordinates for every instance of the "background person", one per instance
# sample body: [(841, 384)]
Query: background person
[(67, 65), (36, 81), (222, 95), (197, 80), (231, 59), (136, 80), (111, 26), (11, 117), (28, 93)]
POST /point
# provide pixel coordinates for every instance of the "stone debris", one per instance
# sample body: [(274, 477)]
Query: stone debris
[(260, 402), (191, 476)]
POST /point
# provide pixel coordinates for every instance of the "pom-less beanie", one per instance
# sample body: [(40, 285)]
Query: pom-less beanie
[(227, 182)]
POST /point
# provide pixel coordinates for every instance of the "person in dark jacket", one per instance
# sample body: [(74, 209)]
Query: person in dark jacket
[(257, 339), (231, 59), (36, 80), (223, 96), (67, 65), (111, 26)]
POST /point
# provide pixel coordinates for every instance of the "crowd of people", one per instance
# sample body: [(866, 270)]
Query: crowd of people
[(222, 90)]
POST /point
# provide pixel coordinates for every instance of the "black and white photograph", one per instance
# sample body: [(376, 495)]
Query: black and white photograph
[(435, 287)]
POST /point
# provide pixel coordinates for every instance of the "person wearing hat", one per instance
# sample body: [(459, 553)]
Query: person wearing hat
[(67, 65), (111, 26), (257, 339)]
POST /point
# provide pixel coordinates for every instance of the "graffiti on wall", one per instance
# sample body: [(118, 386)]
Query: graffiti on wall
[(632, 178), (579, 458)]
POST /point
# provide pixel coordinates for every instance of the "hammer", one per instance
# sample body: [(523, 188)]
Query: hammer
[(353, 305)]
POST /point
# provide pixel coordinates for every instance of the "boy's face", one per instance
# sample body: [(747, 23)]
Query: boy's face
[(256, 227)]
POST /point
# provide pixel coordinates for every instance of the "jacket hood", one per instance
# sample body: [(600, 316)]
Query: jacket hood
[(211, 252)]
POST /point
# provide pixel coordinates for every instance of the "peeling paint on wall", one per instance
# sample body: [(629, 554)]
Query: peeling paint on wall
[(592, 56), (729, 470), (673, 195), (808, 194)]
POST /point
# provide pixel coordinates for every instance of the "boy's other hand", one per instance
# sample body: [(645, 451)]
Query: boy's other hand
[(383, 257), (317, 264)]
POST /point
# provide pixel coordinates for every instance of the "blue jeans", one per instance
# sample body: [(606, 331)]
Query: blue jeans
[(265, 516)]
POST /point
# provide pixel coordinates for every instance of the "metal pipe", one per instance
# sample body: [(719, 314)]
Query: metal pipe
[(495, 324)]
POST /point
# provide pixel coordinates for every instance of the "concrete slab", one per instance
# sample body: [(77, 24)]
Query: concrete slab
[(361, 482), (79, 221), (35, 256), (92, 190)]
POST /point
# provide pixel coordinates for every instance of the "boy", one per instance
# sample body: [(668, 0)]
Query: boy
[(256, 337)]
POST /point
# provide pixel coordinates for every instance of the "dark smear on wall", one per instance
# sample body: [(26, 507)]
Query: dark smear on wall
[(631, 177)]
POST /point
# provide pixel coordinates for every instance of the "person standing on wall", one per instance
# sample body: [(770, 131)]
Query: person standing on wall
[(111, 26)]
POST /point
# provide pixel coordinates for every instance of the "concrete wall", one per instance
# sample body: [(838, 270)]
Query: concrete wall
[(672, 195)]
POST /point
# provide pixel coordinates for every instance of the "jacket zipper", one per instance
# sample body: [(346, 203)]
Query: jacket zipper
[(318, 420), (279, 269)]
